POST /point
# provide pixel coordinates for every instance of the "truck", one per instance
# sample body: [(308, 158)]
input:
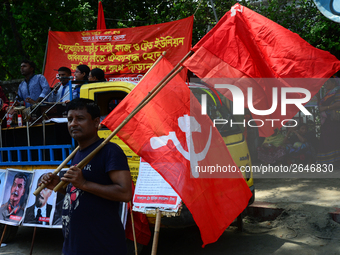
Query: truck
[(46, 145)]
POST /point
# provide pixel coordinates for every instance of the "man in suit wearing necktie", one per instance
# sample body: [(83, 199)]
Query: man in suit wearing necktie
[(40, 212)]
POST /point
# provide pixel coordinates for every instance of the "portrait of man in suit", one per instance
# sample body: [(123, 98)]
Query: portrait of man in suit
[(40, 211)]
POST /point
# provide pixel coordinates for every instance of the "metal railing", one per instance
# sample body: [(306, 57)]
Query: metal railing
[(34, 155)]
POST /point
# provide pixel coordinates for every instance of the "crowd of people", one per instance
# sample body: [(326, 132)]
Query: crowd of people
[(35, 88), (329, 106)]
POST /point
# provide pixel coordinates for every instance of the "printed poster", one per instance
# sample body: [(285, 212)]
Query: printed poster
[(17, 187), (2, 182), (40, 208), (152, 191), (57, 222)]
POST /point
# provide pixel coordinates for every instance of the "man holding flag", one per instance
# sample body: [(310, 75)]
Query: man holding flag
[(91, 223)]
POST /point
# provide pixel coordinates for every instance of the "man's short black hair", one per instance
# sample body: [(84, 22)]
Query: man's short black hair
[(21, 176), (98, 73), (83, 103), (31, 63), (65, 69)]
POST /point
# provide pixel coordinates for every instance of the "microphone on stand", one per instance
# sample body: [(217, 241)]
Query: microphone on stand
[(66, 77)]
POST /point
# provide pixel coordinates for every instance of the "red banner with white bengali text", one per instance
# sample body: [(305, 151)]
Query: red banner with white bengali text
[(123, 54)]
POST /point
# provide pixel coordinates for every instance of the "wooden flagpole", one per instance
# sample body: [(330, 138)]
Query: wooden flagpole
[(156, 233), (154, 64), (145, 101), (133, 228), (61, 166), (33, 238), (3, 234)]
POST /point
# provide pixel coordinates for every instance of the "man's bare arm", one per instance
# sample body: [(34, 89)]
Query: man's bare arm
[(120, 190)]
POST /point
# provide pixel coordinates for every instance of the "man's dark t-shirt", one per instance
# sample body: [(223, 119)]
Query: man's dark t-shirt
[(91, 224)]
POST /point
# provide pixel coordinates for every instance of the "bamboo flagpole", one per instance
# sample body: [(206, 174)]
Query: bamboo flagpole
[(3, 234), (133, 228), (145, 101), (154, 64), (64, 163), (156, 234), (33, 239)]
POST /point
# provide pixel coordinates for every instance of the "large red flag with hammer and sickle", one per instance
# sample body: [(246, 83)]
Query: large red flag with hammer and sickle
[(176, 139), (251, 51)]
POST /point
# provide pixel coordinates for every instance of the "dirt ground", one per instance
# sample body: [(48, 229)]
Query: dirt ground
[(304, 227)]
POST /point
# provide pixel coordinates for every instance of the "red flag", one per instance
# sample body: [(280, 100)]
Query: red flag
[(141, 225), (245, 44), (100, 19), (167, 136)]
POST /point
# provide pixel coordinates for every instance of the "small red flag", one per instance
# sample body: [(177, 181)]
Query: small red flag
[(141, 225), (175, 142), (100, 19), (245, 44)]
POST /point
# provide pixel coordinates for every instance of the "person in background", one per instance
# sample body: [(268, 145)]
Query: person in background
[(97, 74), (329, 106), (4, 104), (35, 87), (81, 74), (58, 95), (272, 149), (299, 144)]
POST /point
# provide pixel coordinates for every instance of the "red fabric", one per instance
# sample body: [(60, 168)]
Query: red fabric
[(141, 223), (213, 202), (245, 44), (5, 102), (100, 19), (123, 53)]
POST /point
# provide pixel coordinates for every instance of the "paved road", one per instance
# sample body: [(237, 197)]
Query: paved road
[(47, 242)]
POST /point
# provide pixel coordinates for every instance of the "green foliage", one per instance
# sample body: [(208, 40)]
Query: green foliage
[(24, 24), (303, 18)]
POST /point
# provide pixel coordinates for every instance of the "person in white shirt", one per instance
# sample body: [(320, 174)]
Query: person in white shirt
[(64, 74)]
